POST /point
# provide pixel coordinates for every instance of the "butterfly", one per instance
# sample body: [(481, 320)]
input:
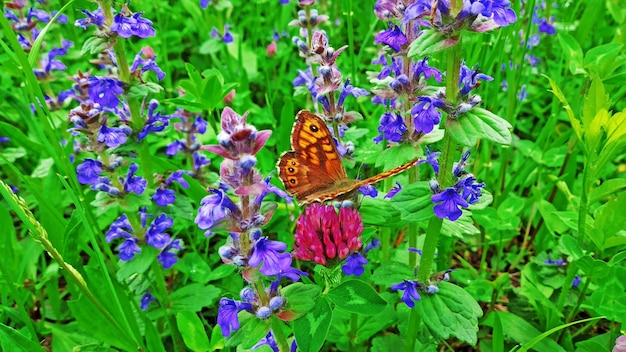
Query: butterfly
[(313, 171)]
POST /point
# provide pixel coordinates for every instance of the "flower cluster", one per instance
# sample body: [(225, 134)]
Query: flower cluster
[(465, 191), (324, 234), (246, 247), (410, 288), (153, 235)]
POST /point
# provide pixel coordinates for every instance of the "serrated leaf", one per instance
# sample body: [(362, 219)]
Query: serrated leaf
[(392, 272), (479, 124), (311, 329), (357, 297), (414, 202), (379, 212), (192, 331), (610, 300), (450, 312)]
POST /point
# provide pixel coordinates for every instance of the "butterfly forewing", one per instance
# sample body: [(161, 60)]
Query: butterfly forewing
[(313, 171)]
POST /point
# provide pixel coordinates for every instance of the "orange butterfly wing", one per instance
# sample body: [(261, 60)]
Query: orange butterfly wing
[(312, 171), (314, 164)]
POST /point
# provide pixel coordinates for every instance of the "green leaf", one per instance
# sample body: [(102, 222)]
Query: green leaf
[(192, 331), (379, 212), (357, 297), (392, 157), (311, 329), (603, 59), (251, 331), (609, 299), (194, 297), (573, 52), (13, 340), (610, 219), (431, 42), (94, 323), (391, 272), (479, 124), (139, 265), (595, 269), (571, 246), (300, 298), (414, 202), (521, 331), (607, 189), (568, 109), (450, 312)]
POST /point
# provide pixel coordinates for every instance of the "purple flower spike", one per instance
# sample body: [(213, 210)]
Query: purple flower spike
[(410, 295), (227, 317), (450, 202), (142, 27), (122, 25), (468, 79), (393, 191)]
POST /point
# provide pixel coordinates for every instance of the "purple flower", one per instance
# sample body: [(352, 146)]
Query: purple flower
[(168, 257), (620, 344), (269, 338), (213, 209), (470, 190), (393, 37), (174, 147), (354, 264), (576, 281), (155, 123), (421, 67), (128, 249), (558, 262), (227, 317), (369, 191), (410, 295), (350, 90), (89, 171), (267, 251), (49, 62), (156, 236), (393, 191), (425, 115), (546, 27), (204, 3), (146, 299), (449, 206), (468, 79), (431, 158), (122, 25), (391, 128), (96, 18), (148, 64), (142, 27), (375, 243), (113, 137), (227, 37), (133, 183), (104, 91), (163, 196)]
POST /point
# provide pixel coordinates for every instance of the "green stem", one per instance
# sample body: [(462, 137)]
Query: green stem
[(448, 156), (411, 333), (412, 228), (163, 295), (582, 210)]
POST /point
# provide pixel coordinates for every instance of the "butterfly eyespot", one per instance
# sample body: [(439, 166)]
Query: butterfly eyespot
[(291, 169), (293, 163), (314, 128), (293, 181)]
